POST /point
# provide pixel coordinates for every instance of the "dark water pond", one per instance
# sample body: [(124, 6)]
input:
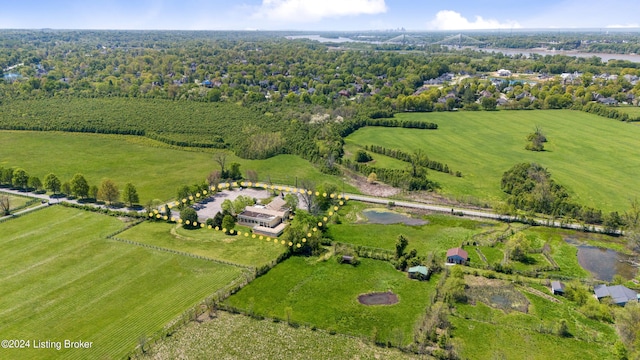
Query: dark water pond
[(375, 216), (604, 263), (385, 298)]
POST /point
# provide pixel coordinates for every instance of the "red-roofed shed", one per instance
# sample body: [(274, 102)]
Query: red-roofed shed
[(457, 256)]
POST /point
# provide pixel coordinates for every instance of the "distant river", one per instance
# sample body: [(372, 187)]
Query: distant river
[(526, 52)]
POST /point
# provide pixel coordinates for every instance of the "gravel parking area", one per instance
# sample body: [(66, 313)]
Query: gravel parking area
[(213, 204)]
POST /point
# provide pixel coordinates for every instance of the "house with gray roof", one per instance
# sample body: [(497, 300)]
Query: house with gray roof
[(619, 294), (557, 288)]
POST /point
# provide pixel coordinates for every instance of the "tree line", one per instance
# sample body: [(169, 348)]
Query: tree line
[(77, 186), (418, 157)]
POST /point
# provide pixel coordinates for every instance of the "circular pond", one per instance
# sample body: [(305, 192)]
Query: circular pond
[(381, 298)]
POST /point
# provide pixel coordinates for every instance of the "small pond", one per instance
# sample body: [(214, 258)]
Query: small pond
[(382, 298), (604, 263), (385, 217)]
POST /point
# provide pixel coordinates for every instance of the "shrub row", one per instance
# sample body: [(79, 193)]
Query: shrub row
[(406, 157), (393, 177)]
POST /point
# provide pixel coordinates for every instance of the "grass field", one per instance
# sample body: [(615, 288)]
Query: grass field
[(325, 294), (205, 242), (16, 202), (441, 233), (156, 169), (241, 337), (597, 159), (480, 332), (61, 279), (565, 254), (494, 255), (633, 111)]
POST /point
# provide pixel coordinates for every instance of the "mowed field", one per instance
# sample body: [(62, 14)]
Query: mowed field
[(156, 169), (597, 159), (206, 242), (325, 294), (62, 279)]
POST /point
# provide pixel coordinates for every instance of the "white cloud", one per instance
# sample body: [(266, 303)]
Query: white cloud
[(623, 26), (451, 20), (315, 10)]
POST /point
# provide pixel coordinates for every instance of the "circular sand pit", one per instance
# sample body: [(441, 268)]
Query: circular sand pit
[(381, 298)]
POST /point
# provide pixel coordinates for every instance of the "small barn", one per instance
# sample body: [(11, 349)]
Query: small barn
[(457, 256), (418, 272), (557, 288), (346, 259)]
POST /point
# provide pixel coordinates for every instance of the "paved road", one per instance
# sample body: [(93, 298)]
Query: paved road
[(381, 201), (467, 212)]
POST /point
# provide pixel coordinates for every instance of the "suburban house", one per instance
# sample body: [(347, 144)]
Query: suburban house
[(504, 72), (619, 294), (266, 219), (457, 256), (418, 272), (557, 288)]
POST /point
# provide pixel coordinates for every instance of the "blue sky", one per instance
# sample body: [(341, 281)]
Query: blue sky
[(416, 15)]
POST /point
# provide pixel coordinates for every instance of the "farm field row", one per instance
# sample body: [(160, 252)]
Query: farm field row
[(62, 279), (596, 159), (156, 169)]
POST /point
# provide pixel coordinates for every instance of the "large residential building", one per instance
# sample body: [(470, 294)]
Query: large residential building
[(266, 219)]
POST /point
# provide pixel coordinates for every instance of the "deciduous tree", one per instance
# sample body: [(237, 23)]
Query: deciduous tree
[(66, 188), (20, 178), (188, 215), (130, 194), (35, 183), (5, 205), (109, 191), (52, 183), (228, 223), (79, 186)]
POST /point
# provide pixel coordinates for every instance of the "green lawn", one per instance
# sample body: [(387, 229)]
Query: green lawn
[(441, 233), (242, 337), (204, 242), (16, 201), (480, 332), (597, 159), (633, 111), (535, 261), (494, 254), (62, 279), (325, 294), (156, 169), (565, 254)]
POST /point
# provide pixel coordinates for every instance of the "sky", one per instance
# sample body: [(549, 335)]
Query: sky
[(319, 15)]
